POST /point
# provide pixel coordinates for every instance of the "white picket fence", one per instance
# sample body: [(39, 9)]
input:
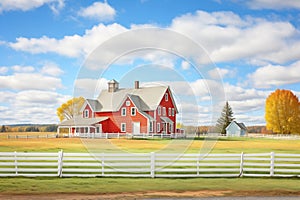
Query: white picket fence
[(149, 165)]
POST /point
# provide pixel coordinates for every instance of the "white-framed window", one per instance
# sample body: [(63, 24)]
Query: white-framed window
[(127, 103), (159, 110), (170, 111), (151, 126), (123, 127), (166, 97), (158, 127), (123, 112), (86, 113), (171, 127), (164, 111), (173, 112), (133, 111)]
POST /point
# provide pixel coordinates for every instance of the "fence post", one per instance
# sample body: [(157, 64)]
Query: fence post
[(152, 164), (241, 164), (16, 163), (272, 164), (60, 163), (102, 163), (198, 163)]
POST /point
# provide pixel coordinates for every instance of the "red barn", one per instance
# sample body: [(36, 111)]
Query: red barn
[(127, 110)]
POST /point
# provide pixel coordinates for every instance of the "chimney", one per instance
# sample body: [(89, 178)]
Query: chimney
[(113, 85), (136, 85)]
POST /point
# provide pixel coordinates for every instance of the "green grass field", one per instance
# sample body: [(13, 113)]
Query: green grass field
[(148, 186), (224, 145)]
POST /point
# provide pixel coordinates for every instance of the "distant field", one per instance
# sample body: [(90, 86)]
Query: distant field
[(224, 145)]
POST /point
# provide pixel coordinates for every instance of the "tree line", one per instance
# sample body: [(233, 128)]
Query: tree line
[(28, 128)]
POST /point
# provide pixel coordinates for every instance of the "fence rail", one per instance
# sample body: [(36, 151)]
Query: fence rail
[(149, 165)]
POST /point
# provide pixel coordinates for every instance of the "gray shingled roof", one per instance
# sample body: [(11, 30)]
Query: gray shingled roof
[(147, 98), (95, 105), (242, 126), (79, 121)]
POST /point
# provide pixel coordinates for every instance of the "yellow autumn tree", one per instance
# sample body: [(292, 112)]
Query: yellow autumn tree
[(282, 112), (70, 109)]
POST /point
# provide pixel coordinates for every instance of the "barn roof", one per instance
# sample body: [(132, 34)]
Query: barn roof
[(145, 98)]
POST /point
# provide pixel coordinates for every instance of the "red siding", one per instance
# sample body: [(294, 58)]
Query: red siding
[(87, 107), (113, 124), (167, 104)]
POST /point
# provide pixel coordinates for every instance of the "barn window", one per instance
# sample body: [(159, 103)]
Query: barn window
[(170, 111), (159, 110), (123, 112), (123, 127), (127, 103), (173, 112), (86, 113), (166, 97), (133, 111), (164, 111)]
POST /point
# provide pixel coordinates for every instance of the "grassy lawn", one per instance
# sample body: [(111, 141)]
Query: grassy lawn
[(230, 186), (225, 186), (230, 145)]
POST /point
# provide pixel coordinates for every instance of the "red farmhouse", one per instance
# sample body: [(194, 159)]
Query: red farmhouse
[(120, 110)]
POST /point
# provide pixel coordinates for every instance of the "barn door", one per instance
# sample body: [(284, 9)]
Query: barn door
[(136, 128)]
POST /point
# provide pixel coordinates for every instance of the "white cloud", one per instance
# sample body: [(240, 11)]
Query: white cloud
[(273, 4), (39, 105), (26, 5), (99, 11), (18, 68), (27, 81), (225, 36), (218, 73), (275, 75), (185, 65), (51, 69), (3, 70), (89, 88), (71, 46)]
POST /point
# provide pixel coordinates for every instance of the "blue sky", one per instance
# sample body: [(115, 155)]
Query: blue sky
[(45, 46)]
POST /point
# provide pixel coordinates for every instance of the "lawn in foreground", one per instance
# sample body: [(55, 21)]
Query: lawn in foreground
[(227, 145), (228, 186)]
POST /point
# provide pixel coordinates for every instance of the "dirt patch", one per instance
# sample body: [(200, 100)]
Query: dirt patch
[(123, 196), (145, 195)]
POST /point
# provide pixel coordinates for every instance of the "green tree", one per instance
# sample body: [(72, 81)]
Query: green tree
[(3, 129), (282, 112), (225, 119), (70, 109)]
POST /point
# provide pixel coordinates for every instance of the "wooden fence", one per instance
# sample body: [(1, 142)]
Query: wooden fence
[(149, 165)]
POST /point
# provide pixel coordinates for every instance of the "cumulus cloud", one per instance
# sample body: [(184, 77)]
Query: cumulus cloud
[(99, 11), (3, 70), (275, 75), (26, 5), (51, 69), (71, 46), (185, 65), (18, 68), (274, 4), (28, 81), (225, 36), (39, 105)]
